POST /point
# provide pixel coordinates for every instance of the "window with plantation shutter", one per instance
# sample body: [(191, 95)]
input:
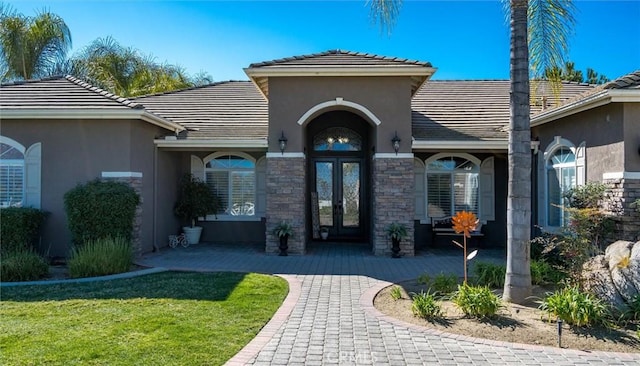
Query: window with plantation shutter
[(11, 173), (233, 179), (452, 184)]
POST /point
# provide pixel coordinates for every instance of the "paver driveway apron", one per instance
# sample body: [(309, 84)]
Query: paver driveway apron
[(328, 317)]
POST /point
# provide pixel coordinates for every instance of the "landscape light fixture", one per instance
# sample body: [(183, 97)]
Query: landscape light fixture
[(395, 141), (282, 142)]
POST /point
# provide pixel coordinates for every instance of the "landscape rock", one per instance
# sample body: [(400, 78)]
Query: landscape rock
[(615, 276)]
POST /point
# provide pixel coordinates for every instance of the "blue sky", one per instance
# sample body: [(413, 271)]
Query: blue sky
[(464, 40)]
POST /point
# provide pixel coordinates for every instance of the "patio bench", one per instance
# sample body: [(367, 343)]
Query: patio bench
[(443, 227)]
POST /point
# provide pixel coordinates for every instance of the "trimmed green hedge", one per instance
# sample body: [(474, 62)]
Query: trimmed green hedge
[(99, 209), (20, 228)]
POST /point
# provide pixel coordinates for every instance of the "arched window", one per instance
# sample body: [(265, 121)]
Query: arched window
[(12, 182), (452, 184), (561, 177), (337, 139), (232, 178)]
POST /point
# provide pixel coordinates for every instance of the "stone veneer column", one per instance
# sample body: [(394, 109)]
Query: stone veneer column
[(133, 180), (393, 201), (286, 189), (622, 193)]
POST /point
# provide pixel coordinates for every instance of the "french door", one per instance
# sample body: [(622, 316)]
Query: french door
[(338, 181)]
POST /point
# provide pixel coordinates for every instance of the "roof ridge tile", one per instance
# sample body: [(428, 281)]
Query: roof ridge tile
[(94, 89), (215, 83), (339, 52)]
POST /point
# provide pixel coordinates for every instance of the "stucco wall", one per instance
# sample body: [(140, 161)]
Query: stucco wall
[(73, 152), (601, 128), (388, 98), (632, 137)]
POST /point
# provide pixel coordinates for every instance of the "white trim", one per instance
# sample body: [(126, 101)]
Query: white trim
[(339, 101), (558, 142), (217, 154), (393, 156), (621, 175), (285, 155), (339, 70), (598, 99), (438, 156), (460, 145), (121, 175), (13, 143), (91, 114), (213, 143)]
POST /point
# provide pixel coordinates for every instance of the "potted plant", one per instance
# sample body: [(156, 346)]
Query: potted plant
[(195, 199), (283, 231), (324, 232), (396, 232)]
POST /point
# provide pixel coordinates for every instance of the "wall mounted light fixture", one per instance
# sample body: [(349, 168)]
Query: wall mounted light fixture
[(282, 143), (395, 142)]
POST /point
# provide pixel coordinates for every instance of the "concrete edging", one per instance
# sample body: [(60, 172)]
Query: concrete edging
[(118, 276)]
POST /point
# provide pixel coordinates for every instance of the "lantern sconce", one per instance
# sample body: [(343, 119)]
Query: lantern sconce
[(282, 143), (395, 141)]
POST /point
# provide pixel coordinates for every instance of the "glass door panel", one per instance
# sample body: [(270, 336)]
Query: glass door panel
[(350, 209), (324, 187)]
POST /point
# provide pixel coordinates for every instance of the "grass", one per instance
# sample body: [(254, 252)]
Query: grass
[(166, 318)]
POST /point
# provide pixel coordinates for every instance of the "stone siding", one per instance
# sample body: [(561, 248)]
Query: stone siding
[(136, 236), (286, 192), (393, 201), (622, 194)]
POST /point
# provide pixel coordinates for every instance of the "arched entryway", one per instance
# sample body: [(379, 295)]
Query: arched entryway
[(339, 155)]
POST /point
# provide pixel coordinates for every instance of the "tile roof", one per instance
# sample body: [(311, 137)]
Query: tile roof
[(60, 92), (629, 81), (223, 110), (339, 58), (464, 110)]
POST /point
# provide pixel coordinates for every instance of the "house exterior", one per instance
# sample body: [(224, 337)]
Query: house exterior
[(343, 140)]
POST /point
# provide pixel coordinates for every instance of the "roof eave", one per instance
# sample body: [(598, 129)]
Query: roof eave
[(82, 113), (460, 144), (601, 98), (212, 143)]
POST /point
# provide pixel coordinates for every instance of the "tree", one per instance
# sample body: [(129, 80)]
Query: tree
[(569, 73), (30, 47), (541, 27), (124, 70)]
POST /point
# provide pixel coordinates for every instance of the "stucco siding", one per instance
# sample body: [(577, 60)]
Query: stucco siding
[(388, 98), (600, 128), (632, 137), (73, 152)]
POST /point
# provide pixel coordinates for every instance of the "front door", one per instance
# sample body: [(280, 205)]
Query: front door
[(338, 181)]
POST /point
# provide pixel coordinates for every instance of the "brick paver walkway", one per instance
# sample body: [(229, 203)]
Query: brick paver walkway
[(328, 317)]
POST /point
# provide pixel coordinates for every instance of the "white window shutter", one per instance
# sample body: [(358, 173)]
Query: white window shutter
[(487, 190), (419, 187), (33, 173), (542, 189), (261, 187), (197, 167), (581, 152)]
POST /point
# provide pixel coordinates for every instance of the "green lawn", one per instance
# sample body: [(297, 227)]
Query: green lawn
[(167, 318)]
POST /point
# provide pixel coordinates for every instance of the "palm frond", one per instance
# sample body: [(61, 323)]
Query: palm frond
[(385, 13)]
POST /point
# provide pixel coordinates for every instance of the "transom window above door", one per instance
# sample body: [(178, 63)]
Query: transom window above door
[(337, 139)]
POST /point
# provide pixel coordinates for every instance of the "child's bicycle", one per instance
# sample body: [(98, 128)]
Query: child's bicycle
[(175, 240)]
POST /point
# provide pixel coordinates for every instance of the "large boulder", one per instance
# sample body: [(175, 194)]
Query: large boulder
[(615, 276)]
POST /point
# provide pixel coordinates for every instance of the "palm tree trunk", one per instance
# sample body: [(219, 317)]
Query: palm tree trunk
[(517, 285)]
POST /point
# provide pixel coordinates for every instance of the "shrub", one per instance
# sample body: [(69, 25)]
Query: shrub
[(424, 279), (425, 306), (101, 257), (589, 195), (489, 274), (544, 273), (19, 228), (575, 307), (476, 301), (632, 312), (22, 265), (396, 293), (444, 283), (100, 209)]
